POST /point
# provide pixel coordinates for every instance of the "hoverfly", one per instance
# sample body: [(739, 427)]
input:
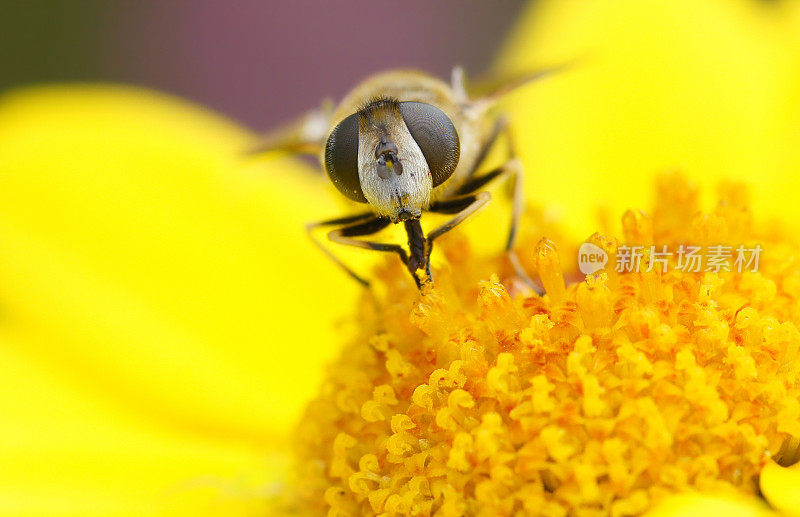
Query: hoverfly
[(403, 143)]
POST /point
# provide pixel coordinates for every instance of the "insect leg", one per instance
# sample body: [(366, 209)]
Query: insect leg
[(357, 225), (500, 126), (512, 170), (463, 207), (476, 183), (305, 135), (517, 207), (458, 83)]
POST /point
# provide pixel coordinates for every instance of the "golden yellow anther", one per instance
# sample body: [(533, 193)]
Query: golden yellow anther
[(638, 228), (549, 266), (602, 397)]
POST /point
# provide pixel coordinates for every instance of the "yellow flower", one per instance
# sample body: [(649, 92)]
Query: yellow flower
[(163, 320), (149, 304), (604, 396)]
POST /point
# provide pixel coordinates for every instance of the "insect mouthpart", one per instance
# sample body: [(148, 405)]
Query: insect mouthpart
[(386, 154), (404, 215)]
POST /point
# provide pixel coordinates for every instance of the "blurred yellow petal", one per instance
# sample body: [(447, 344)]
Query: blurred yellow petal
[(701, 505), (64, 452), (781, 487), (157, 288), (710, 88), (149, 261)]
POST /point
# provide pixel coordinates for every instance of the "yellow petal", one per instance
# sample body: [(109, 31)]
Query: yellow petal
[(142, 252), (709, 88), (781, 487), (67, 451), (701, 505), (156, 287)]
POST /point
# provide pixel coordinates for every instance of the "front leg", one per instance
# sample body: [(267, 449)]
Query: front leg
[(512, 171), (463, 207), (418, 256), (350, 227)]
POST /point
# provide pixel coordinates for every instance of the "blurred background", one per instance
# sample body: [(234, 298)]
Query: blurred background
[(260, 62)]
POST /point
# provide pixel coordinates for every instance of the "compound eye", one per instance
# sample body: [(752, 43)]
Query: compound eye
[(436, 137), (341, 158)]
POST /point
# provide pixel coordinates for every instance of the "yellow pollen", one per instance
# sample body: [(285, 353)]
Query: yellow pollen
[(603, 396)]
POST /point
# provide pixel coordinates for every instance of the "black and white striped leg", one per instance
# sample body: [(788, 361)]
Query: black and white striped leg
[(355, 226)]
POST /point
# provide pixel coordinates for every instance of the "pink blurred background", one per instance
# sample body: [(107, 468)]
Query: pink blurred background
[(258, 61)]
